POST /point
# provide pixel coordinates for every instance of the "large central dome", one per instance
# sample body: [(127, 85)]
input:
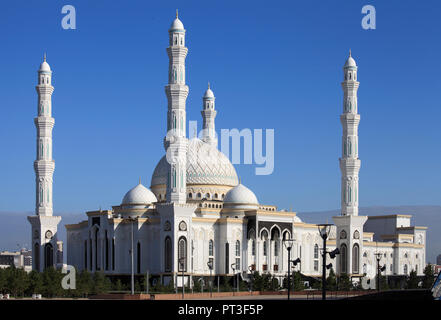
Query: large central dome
[(206, 165)]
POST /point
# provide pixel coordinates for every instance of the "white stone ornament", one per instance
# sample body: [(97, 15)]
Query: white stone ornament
[(48, 234), (182, 226)]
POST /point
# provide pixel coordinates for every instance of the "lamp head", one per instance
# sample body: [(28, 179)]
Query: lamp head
[(288, 243), (334, 252), (329, 266), (294, 262)]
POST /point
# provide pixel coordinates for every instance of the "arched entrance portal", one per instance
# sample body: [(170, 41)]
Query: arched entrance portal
[(48, 256)]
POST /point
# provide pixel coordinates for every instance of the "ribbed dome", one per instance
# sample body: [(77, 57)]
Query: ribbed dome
[(177, 25), (44, 66), (209, 93), (205, 166), (139, 195), (350, 62), (240, 195)]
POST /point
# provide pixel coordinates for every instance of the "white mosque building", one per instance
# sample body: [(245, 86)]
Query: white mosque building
[(198, 212)]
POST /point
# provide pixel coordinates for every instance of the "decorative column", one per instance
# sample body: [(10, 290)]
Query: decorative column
[(177, 92)]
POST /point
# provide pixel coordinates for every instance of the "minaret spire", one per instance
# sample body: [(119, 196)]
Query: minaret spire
[(349, 162), (349, 225), (177, 92), (208, 115), (46, 250)]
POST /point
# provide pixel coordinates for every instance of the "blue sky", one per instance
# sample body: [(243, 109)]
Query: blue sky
[(272, 65)]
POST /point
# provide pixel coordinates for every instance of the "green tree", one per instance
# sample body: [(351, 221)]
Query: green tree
[(101, 283), (84, 283), (3, 280), (344, 283), (428, 279), (17, 281), (412, 280), (298, 281), (35, 282), (52, 283), (331, 281)]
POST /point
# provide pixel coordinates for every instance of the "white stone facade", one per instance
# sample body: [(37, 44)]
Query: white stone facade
[(197, 211)]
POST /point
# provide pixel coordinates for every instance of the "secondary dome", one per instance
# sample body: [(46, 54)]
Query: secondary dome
[(240, 195), (206, 165), (44, 66), (209, 93), (350, 62), (139, 195)]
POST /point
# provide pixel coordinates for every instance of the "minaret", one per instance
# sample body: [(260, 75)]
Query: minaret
[(44, 225), (177, 92), (44, 165), (349, 235), (349, 162), (208, 115)]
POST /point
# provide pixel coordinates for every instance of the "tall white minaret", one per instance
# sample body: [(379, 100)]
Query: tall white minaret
[(349, 162), (349, 235), (208, 115), (44, 165), (45, 252), (177, 92)]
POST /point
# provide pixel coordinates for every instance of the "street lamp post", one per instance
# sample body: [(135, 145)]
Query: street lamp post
[(132, 220), (288, 244), (250, 268), (210, 266), (324, 230), (181, 262), (379, 269), (233, 266)]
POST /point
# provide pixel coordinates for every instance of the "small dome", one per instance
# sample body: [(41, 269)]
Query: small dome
[(177, 25), (297, 219), (139, 195), (44, 66), (240, 195), (350, 62), (208, 93)]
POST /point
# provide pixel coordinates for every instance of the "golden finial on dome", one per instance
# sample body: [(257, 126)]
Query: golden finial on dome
[(176, 13), (139, 180), (44, 57)]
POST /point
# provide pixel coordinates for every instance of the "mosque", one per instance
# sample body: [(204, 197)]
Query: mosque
[(198, 217)]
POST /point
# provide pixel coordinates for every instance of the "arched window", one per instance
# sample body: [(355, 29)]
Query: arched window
[(182, 254), (316, 251), (210, 248), (264, 249), (37, 256), (253, 247), (276, 248), (199, 195), (113, 253), (405, 269), (48, 256), (138, 257), (168, 254), (190, 195), (237, 248), (364, 269), (343, 259), (106, 251), (355, 258)]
